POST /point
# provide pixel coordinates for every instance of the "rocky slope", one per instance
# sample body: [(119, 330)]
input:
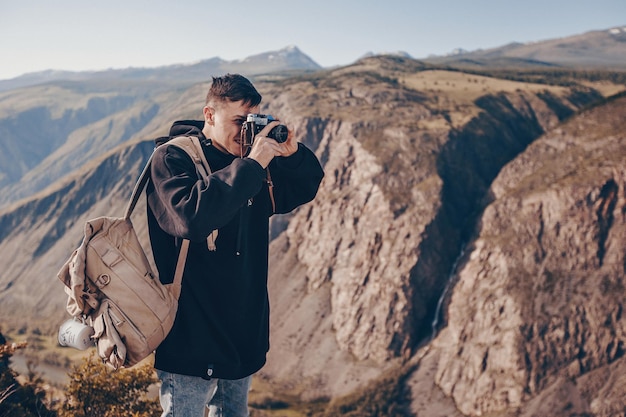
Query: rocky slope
[(535, 317), (51, 131)]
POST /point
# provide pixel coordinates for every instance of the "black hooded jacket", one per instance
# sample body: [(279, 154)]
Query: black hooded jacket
[(222, 325)]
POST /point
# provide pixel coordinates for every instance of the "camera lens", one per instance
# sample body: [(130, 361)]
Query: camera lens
[(279, 133)]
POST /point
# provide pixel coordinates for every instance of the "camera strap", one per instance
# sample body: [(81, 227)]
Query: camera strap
[(270, 187)]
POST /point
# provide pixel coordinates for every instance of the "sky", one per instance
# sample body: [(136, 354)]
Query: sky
[(80, 35)]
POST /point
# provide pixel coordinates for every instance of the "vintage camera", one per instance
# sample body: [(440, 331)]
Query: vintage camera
[(255, 123)]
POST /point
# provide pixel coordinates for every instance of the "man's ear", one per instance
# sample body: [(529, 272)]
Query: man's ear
[(209, 115)]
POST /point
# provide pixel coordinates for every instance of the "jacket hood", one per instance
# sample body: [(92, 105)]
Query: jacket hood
[(186, 128)]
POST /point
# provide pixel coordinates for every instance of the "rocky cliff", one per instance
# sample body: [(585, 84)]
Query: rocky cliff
[(535, 316)]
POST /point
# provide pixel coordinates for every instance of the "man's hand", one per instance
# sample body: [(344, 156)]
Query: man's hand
[(264, 149)]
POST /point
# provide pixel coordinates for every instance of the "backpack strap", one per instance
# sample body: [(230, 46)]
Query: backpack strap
[(180, 268), (191, 146), (139, 186)]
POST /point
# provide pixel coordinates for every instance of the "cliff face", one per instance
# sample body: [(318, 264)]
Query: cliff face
[(537, 306)]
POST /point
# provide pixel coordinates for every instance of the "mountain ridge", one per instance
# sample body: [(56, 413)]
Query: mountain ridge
[(288, 58), (517, 51), (594, 49)]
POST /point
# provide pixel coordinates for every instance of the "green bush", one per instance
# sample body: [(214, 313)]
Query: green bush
[(96, 390)]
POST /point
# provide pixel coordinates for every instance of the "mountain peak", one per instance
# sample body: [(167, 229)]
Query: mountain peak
[(617, 30), (290, 56)]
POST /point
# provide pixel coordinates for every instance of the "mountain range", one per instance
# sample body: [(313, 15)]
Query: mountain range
[(464, 255), (594, 49), (599, 48), (289, 58)]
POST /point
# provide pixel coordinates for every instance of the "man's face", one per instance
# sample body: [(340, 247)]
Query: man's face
[(223, 125)]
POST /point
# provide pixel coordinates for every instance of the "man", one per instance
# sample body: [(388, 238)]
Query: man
[(221, 333)]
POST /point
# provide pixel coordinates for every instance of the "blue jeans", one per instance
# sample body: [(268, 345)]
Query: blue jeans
[(191, 396)]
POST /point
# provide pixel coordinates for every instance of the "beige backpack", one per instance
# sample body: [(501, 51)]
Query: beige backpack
[(112, 287)]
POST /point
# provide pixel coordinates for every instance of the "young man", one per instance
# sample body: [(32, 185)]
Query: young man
[(221, 333)]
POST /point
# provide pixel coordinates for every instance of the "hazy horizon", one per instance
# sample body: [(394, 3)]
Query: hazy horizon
[(73, 36)]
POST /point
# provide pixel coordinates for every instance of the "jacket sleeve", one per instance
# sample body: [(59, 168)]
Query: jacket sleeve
[(186, 207), (296, 179)]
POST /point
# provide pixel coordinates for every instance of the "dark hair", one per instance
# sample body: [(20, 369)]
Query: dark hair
[(233, 87)]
